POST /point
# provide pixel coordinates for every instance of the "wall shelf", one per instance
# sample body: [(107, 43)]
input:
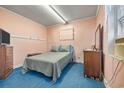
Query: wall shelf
[(119, 40), (122, 44), (27, 37), (121, 59)]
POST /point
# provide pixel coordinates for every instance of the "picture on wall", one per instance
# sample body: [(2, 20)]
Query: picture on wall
[(67, 34)]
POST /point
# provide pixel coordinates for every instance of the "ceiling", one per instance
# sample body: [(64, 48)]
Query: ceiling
[(40, 14)]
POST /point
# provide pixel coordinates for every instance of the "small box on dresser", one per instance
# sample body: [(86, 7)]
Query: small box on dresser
[(6, 61)]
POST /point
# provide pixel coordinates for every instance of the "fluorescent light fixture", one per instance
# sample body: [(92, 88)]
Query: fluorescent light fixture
[(56, 13)]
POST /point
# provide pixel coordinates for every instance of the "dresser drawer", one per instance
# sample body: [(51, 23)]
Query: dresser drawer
[(6, 61), (9, 51), (9, 59), (9, 54), (8, 65)]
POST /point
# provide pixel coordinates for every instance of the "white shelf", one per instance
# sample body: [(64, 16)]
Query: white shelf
[(120, 44), (120, 37), (27, 37), (121, 59)]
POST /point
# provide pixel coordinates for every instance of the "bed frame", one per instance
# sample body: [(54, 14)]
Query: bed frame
[(33, 54)]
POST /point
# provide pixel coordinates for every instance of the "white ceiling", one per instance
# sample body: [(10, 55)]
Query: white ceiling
[(40, 14)]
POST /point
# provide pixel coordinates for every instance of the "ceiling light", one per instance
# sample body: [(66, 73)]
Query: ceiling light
[(56, 13)]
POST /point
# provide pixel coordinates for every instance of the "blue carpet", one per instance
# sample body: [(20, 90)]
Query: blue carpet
[(71, 77)]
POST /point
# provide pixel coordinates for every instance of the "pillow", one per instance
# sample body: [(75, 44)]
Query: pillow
[(55, 48), (65, 48)]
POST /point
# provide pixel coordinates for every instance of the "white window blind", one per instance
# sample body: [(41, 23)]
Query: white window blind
[(120, 17)]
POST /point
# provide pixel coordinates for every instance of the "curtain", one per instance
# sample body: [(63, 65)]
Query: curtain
[(111, 15)]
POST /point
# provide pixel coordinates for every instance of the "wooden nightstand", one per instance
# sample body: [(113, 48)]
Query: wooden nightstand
[(93, 64)]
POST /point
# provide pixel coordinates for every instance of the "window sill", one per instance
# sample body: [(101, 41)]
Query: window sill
[(119, 41), (119, 58)]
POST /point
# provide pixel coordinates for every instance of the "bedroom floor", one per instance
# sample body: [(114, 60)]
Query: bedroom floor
[(71, 77)]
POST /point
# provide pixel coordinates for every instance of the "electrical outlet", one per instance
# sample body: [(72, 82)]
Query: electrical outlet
[(78, 57)]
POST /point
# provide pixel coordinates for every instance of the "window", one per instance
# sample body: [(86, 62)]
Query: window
[(120, 18), (112, 27), (115, 24)]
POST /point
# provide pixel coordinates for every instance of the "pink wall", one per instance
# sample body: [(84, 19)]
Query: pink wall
[(83, 35), (20, 26), (110, 66), (83, 38)]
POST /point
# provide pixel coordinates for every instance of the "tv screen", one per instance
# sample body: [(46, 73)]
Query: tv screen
[(4, 37)]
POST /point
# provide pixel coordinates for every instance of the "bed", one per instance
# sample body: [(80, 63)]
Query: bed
[(50, 64)]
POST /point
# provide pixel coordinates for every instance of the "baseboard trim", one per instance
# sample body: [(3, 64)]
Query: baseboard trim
[(105, 83), (17, 66), (78, 61)]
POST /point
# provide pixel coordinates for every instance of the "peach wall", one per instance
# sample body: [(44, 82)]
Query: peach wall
[(20, 26), (84, 32), (83, 38), (109, 65)]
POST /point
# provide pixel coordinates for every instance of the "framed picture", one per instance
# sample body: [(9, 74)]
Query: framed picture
[(67, 34)]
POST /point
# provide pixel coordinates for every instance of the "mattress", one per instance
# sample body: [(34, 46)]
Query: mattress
[(50, 63)]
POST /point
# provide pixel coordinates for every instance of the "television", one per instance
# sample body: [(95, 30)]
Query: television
[(4, 37)]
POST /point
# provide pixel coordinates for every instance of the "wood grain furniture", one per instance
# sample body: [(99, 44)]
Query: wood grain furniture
[(94, 58), (92, 64), (6, 61)]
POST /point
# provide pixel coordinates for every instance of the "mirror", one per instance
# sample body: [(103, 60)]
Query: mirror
[(99, 38)]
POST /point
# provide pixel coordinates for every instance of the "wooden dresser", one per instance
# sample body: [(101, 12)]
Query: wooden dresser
[(93, 64), (6, 61)]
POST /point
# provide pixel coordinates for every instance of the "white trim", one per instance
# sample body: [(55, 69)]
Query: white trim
[(77, 20), (17, 66), (78, 61), (98, 9), (105, 83), (28, 38), (82, 19)]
